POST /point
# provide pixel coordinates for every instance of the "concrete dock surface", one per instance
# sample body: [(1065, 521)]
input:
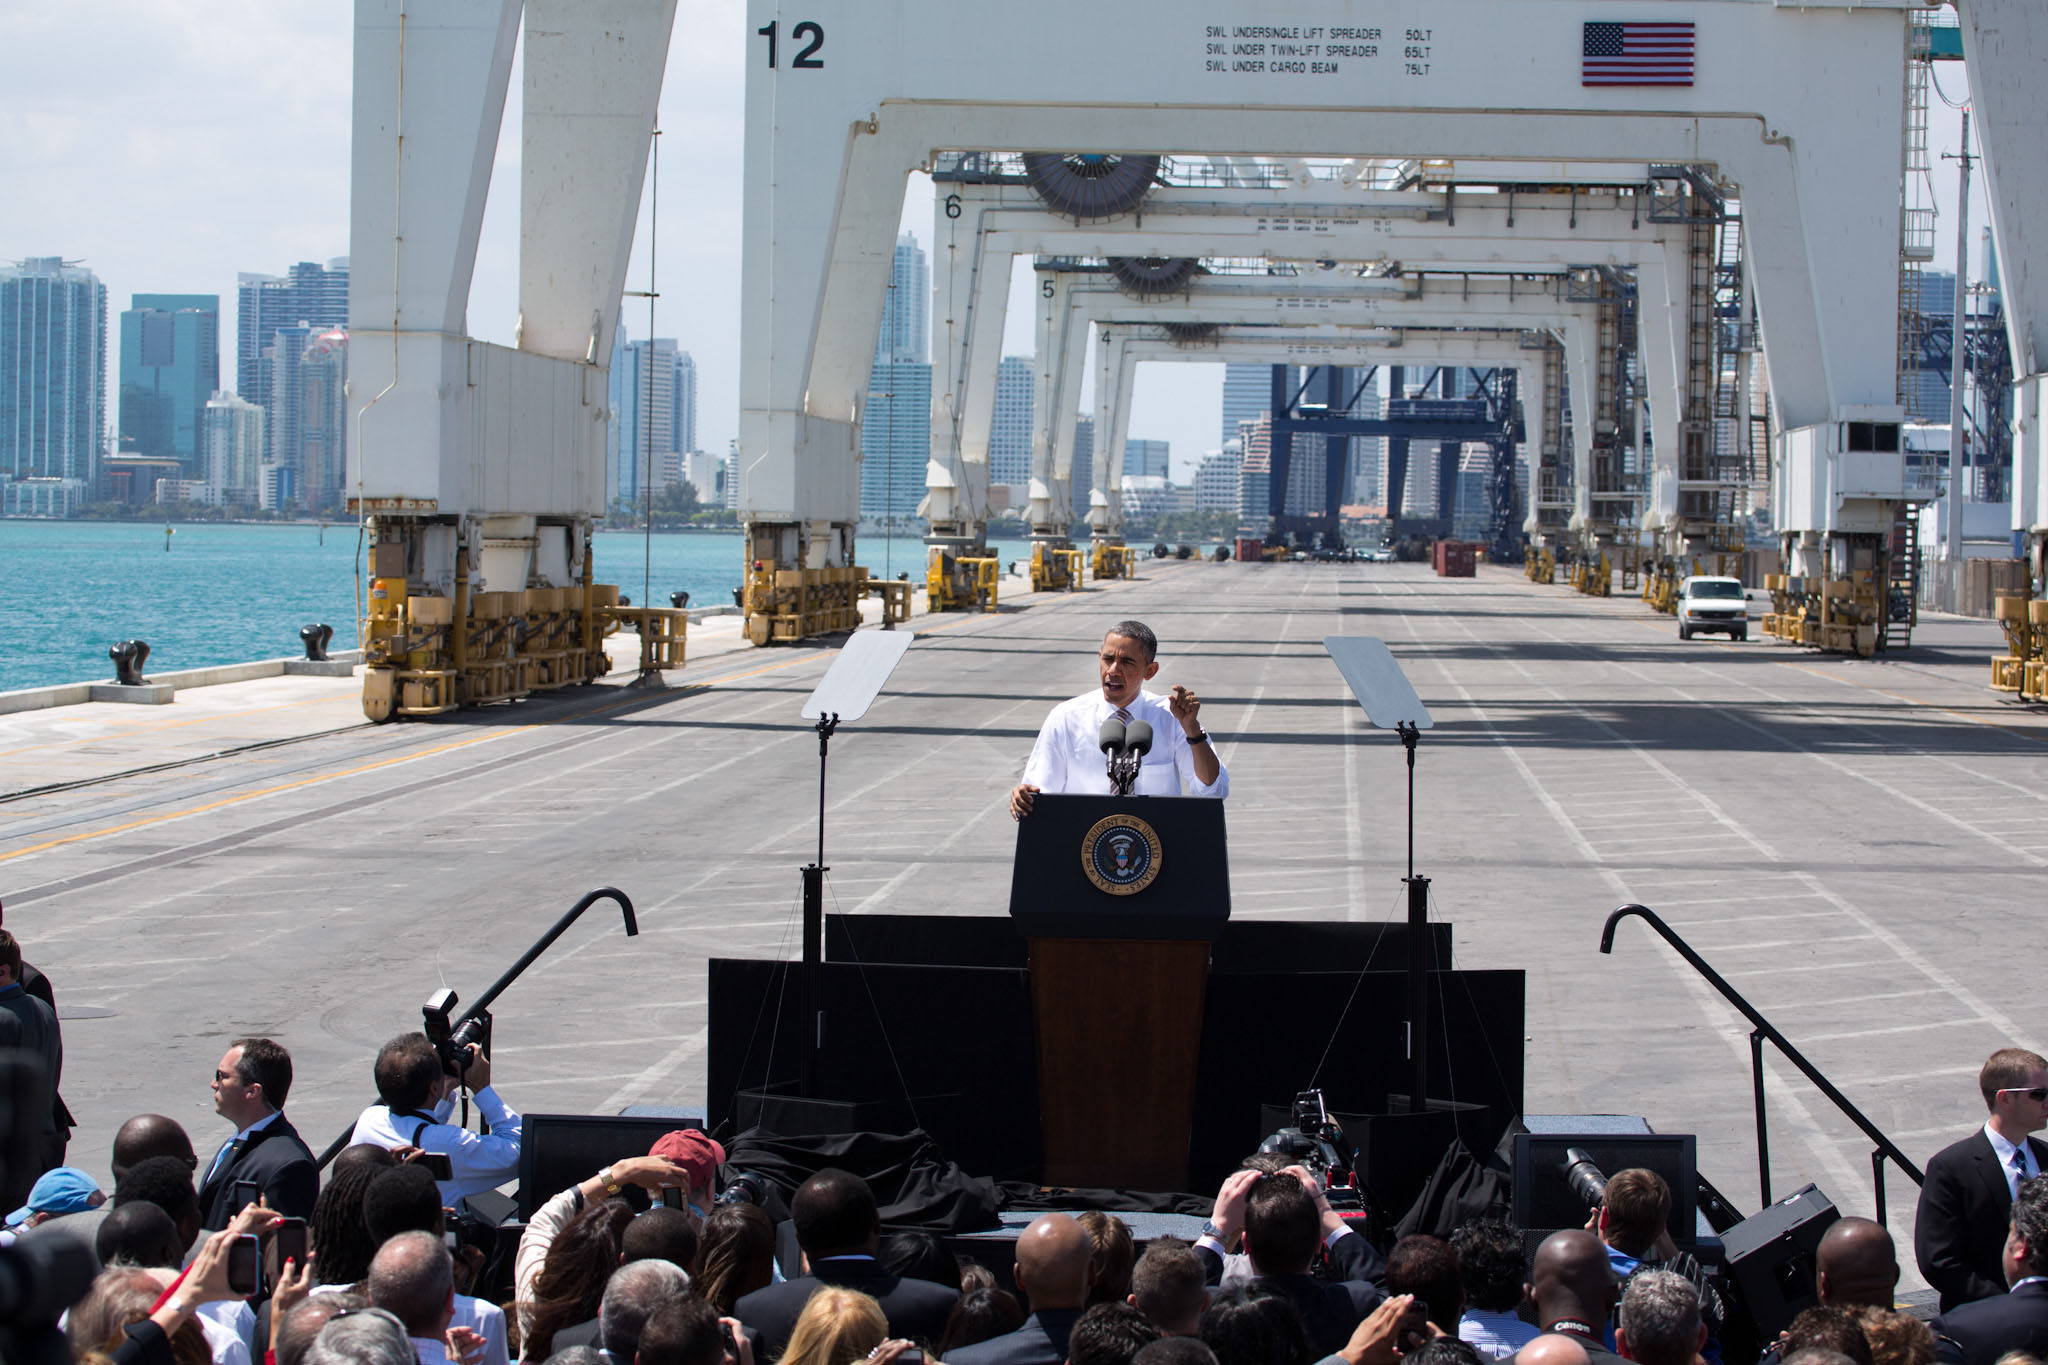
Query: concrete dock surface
[(1861, 847)]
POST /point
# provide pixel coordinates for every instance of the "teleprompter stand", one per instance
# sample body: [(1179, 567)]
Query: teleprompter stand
[(1118, 899)]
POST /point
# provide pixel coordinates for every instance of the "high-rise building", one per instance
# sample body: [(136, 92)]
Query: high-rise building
[(654, 417), (1216, 479), (1247, 396), (1305, 473), (705, 471), (686, 402), (283, 429), (1146, 459), (1009, 439), (905, 334), (53, 385), (323, 422), (895, 440), (1368, 453), (310, 293), (170, 368), (233, 441), (1082, 469), (1255, 470), (896, 420)]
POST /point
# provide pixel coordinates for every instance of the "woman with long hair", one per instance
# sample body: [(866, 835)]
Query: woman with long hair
[(570, 1286), (121, 1296), (735, 1255)]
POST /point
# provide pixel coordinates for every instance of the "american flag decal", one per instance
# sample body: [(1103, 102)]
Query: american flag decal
[(1636, 54)]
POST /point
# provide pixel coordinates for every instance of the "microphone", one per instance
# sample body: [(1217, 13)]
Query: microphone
[(1110, 738), (1138, 737)]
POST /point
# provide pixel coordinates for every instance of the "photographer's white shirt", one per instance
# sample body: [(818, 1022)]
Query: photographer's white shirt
[(477, 1161)]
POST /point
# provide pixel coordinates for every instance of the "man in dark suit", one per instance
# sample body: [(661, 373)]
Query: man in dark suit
[(30, 1026), (1959, 1231), (38, 985), (1347, 1255), (1285, 1226), (1979, 1333), (249, 1090), (839, 1231), (1055, 1269)]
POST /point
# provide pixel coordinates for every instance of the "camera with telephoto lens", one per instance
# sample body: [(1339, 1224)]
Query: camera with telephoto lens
[(450, 1042), (1317, 1144), (1585, 1177), (744, 1187)]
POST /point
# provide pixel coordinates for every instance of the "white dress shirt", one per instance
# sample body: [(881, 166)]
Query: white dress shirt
[(479, 1161), (1498, 1335), (1067, 758)]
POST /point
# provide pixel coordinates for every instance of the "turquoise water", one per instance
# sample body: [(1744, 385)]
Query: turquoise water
[(223, 594)]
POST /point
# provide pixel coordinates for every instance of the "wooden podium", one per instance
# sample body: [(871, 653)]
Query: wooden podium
[(1119, 899)]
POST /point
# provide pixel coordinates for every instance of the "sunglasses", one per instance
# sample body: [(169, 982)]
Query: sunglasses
[(2038, 1094), (223, 1076)]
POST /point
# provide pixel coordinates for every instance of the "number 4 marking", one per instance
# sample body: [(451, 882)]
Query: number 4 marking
[(807, 58)]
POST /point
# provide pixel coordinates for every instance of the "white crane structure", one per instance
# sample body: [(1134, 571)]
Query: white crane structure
[(984, 223), (1303, 221), (2005, 44), (1333, 306), (480, 467), (1797, 110)]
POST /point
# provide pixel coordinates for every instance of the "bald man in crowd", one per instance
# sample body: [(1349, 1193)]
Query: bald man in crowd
[(1055, 1265), (1553, 1349), (1574, 1290), (139, 1139), (1856, 1265)]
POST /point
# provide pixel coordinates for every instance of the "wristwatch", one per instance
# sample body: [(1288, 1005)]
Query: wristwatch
[(1209, 1229), (1199, 737), (611, 1186)]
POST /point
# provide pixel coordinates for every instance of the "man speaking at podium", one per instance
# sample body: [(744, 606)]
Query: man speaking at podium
[(1068, 756)]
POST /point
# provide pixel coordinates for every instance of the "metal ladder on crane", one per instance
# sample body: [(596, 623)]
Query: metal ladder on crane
[(1902, 581)]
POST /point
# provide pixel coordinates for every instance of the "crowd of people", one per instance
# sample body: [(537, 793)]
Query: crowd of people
[(253, 1256)]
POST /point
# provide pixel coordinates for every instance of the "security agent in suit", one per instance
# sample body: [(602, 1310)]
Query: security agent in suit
[(1959, 1231), (249, 1090), (1979, 1333), (1055, 1269), (38, 985), (29, 1025), (1286, 1219), (840, 1232)]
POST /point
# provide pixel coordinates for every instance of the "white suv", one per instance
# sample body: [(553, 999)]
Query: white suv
[(1712, 604)]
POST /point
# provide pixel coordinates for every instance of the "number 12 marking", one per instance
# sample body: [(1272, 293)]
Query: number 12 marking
[(807, 58)]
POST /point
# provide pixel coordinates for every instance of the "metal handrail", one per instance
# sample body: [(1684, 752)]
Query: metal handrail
[(1885, 1149)]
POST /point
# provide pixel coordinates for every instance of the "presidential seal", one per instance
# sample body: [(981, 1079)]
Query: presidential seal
[(1121, 854)]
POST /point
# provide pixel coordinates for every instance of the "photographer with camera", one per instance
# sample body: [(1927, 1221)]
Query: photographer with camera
[(1348, 1256), (416, 1090), (1631, 1215), (1285, 1219)]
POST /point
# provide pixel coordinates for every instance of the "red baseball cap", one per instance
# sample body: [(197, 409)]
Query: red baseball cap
[(693, 1150)]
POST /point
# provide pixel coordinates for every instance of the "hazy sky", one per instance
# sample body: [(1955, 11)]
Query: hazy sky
[(169, 144)]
